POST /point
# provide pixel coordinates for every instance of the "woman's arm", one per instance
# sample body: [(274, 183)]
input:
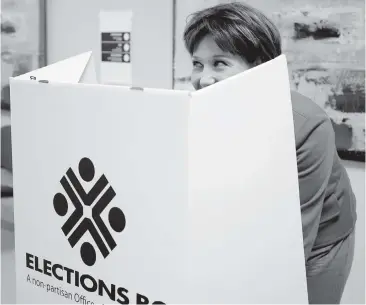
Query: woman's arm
[(315, 155)]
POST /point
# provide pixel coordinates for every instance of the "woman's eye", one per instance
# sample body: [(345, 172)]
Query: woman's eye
[(220, 63), (197, 64)]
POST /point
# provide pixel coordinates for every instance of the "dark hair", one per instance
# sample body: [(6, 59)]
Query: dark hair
[(236, 28)]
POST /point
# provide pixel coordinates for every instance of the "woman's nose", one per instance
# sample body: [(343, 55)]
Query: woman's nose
[(207, 81)]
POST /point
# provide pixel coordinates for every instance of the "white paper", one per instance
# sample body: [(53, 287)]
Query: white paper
[(208, 220), (118, 70), (70, 70)]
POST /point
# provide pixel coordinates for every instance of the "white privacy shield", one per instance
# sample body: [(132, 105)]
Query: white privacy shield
[(137, 195)]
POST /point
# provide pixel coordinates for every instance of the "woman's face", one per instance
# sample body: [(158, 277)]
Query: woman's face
[(211, 64)]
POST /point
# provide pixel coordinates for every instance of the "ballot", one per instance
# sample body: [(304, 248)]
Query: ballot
[(127, 195)]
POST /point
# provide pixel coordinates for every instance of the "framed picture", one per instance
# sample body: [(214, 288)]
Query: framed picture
[(23, 40), (325, 47)]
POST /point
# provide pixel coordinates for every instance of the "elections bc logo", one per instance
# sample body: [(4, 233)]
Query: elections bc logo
[(96, 200)]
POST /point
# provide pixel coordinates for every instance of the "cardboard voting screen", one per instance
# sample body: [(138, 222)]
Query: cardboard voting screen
[(142, 195)]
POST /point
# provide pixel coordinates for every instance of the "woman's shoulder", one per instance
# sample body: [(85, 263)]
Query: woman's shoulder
[(308, 116)]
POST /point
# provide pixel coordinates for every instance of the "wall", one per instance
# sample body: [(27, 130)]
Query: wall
[(73, 27)]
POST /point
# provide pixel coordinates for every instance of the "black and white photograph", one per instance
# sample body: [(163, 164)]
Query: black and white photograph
[(183, 152)]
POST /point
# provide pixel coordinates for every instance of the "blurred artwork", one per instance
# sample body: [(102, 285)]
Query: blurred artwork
[(324, 42), (22, 41)]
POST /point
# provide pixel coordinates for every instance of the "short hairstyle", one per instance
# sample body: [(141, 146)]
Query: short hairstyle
[(236, 28)]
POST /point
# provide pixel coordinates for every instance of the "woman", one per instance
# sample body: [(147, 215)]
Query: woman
[(230, 38)]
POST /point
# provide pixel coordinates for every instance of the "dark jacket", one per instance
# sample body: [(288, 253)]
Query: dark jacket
[(327, 201)]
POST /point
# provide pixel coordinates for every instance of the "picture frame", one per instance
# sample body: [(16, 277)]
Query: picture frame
[(23, 49), (24, 40)]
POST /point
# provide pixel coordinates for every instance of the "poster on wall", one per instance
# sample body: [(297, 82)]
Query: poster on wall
[(23, 49), (325, 45), (115, 47), (23, 41), (118, 218)]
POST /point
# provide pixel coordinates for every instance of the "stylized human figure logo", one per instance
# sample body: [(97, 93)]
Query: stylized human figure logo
[(82, 200)]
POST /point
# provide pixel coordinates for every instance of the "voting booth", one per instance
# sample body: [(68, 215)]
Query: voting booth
[(128, 195)]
